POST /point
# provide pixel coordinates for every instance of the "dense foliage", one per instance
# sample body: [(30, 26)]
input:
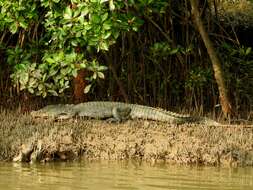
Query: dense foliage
[(148, 51), (57, 38)]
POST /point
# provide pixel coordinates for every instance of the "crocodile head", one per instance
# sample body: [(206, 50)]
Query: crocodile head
[(59, 111)]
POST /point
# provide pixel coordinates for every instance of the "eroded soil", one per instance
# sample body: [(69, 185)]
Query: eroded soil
[(28, 140)]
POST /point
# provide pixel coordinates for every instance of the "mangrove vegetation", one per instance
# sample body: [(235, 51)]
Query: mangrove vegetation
[(193, 55)]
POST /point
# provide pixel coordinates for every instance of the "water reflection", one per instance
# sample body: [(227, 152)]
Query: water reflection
[(121, 175)]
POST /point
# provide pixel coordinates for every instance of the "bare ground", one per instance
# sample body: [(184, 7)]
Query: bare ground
[(25, 139)]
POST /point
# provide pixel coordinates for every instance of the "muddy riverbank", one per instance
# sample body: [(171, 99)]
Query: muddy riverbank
[(25, 139)]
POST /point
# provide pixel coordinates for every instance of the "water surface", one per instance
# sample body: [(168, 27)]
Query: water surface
[(121, 175)]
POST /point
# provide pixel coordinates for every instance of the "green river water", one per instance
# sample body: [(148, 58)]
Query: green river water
[(121, 175)]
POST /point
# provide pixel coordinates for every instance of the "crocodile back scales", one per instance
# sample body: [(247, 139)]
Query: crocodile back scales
[(104, 109)]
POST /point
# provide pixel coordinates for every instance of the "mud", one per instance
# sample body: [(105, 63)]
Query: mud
[(25, 139)]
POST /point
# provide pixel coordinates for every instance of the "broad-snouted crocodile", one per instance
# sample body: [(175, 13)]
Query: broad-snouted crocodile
[(118, 111)]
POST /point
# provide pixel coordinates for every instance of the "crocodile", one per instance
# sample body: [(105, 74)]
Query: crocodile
[(117, 111)]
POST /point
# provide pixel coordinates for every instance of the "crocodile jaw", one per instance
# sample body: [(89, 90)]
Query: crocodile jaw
[(48, 115), (54, 112), (45, 115)]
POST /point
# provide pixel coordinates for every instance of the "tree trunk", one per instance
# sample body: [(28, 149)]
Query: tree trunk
[(79, 85), (218, 73), (79, 82)]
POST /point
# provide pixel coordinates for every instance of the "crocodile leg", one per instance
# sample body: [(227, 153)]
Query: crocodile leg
[(121, 113)]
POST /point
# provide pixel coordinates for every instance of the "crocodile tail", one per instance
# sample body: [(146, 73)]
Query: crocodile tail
[(145, 112)]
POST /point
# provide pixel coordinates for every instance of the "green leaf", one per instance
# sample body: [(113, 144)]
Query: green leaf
[(87, 26), (102, 68), (13, 28), (87, 88), (81, 19), (24, 78), (68, 13), (62, 81), (85, 11), (61, 90), (32, 83), (74, 43), (94, 76), (96, 19), (52, 72), (21, 66), (76, 13), (104, 17), (22, 87), (8, 20), (95, 1), (106, 35), (44, 94), (93, 41), (59, 56), (115, 34), (74, 72), (107, 25), (64, 71), (53, 92), (174, 51), (23, 25), (135, 28), (101, 75), (83, 65), (78, 34), (31, 90), (44, 77), (248, 50), (40, 87), (104, 46), (66, 85), (32, 66), (111, 5), (50, 60)]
